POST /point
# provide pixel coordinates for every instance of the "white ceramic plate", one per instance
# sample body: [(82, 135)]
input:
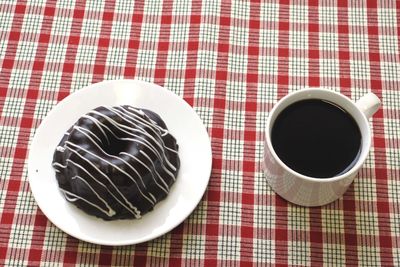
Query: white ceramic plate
[(183, 123)]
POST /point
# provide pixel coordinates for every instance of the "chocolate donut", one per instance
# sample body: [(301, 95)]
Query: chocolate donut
[(117, 162)]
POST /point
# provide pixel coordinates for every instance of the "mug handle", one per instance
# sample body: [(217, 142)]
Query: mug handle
[(368, 104)]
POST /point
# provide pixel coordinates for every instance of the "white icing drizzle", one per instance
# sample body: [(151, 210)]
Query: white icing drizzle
[(139, 121), (119, 126), (154, 151), (66, 195), (109, 213), (113, 165), (103, 185), (152, 171), (96, 122), (131, 109), (165, 169), (60, 148), (154, 127), (136, 119), (134, 210), (56, 164), (172, 150), (144, 142), (121, 159), (88, 131)]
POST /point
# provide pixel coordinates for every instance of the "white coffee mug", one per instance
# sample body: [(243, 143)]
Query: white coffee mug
[(310, 191)]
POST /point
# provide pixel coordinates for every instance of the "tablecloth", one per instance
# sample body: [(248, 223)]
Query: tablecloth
[(231, 61)]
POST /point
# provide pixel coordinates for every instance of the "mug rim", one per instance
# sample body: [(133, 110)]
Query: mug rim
[(306, 90)]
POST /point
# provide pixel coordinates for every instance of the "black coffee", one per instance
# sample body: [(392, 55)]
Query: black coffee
[(316, 138)]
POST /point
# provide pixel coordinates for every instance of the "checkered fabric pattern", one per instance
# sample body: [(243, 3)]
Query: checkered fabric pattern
[(231, 61)]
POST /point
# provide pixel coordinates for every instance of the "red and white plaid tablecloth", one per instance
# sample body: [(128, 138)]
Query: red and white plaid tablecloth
[(231, 61)]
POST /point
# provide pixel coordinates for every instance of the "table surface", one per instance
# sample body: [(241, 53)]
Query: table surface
[(231, 61)]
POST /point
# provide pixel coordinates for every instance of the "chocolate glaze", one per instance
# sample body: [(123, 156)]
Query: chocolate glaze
[(117, 163)]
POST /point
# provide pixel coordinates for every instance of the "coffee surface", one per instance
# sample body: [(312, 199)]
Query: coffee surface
[(316, 138)]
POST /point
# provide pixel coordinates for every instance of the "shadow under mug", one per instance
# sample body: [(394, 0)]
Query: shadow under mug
[(310, 191)]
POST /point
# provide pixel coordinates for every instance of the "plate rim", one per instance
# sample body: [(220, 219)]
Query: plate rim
[(100, 241)]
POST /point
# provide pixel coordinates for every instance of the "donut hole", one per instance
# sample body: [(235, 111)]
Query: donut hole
[(115, 146)]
